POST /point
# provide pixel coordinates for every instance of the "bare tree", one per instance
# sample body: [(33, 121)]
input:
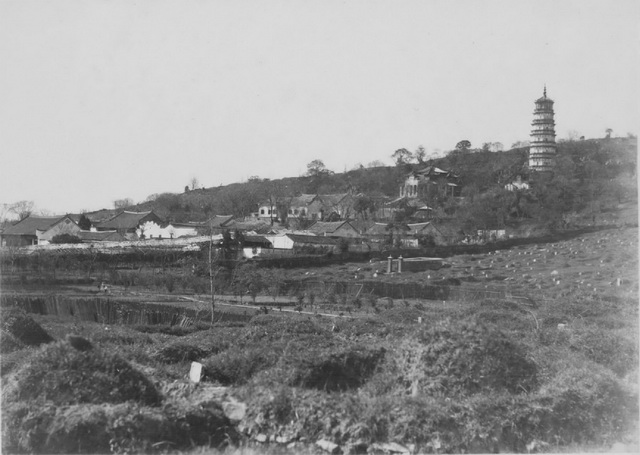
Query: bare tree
[(122, 203), (195, 183), (22, 208)]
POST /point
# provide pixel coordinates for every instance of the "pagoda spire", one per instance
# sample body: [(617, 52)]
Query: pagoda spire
[(545, 90)]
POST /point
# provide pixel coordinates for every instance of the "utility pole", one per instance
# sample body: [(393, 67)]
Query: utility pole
[(213, 305)]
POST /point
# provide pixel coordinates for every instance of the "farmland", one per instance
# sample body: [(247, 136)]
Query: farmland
[(533, 349)]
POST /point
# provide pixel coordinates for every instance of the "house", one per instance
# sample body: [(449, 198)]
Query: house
[(38, 230), (255, 227), (333, 229), (308, 207), (189, 229), (253, 245), (424, 234), (429, 182), (130, 224)]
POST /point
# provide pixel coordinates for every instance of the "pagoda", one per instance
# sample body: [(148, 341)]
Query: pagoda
[(542, 153)]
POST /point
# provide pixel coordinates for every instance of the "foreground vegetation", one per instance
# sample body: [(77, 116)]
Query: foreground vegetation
[(497, 374)]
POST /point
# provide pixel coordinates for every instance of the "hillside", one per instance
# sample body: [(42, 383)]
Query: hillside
[(592, 175)]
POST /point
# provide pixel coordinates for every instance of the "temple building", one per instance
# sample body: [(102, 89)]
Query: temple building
[(542, 153)]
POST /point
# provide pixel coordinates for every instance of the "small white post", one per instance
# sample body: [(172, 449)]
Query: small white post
[(196, 372)]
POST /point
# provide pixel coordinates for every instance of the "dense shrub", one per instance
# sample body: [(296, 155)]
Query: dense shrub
[(120, 428), (180, 352), (23, 328), (9, 343), (589, 403), (506, 320), (606, 347), (313, 363), (463, 358), (238, 364), (64, 375)]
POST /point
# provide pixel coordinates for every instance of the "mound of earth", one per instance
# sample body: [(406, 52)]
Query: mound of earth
[(113, 428), (466, 358), (64, 375), (329, 366), (23, 328)]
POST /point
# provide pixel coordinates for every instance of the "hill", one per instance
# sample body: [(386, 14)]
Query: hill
[(592, 176)]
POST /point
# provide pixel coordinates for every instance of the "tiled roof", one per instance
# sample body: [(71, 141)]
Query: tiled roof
[(314, 239), (416, 228), (303, 200), (127, 220), (332, 199), (220, 220), (320, 227), (29, 225), (259, 227)]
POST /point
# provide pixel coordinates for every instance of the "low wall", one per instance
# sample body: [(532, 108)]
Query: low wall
[(112, 311)]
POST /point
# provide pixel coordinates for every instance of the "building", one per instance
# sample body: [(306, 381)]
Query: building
[(430, 181), (517, 185), (542, 151), (253, 246), (38, 230), (129, 224), (333, 229)]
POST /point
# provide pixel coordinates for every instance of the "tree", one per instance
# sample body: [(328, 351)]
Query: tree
[(316, 168), (402, 156), (195, 183), (420, 154), (464, 145), (363, 206), (608, 131), (122, 203), (22, 209), (84, 222)]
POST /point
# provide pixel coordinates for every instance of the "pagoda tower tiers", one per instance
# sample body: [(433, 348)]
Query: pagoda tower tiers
[(542, 153)]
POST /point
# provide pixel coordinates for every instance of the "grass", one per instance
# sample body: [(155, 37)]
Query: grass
[(493, 374)]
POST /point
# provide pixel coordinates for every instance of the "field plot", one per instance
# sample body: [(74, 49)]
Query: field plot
[(534, 349)]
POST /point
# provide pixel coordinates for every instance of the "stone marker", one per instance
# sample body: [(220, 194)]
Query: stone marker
[(196, 372)]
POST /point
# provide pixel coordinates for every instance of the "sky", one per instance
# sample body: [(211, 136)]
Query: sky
[(103, 99)]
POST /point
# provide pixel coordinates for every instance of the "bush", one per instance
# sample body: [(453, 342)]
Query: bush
[(65, 238), (23, 328), (237, 365), (317, 364), (9, 343), (121, 428), (588, 403), (463, 358), (605, 347), (180, 352), (64, 375)]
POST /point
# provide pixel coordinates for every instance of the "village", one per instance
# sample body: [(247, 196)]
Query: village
[(463, 295)]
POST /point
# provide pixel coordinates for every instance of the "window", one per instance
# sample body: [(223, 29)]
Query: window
[(261, 211)]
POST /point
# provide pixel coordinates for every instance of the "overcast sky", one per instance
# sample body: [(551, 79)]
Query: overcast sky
[(103, 100)]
